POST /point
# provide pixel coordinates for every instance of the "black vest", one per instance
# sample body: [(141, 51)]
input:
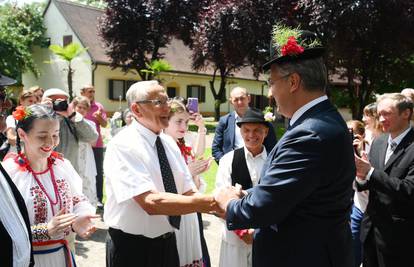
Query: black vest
[(239, 171)]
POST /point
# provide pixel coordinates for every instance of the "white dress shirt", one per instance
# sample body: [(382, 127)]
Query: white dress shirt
[(238, 139), (298, 113), (223, 178), (132, 168)]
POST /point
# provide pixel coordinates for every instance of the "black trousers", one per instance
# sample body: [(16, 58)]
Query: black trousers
[(376, 256), (127, 250), (204, 249), (98, 152)]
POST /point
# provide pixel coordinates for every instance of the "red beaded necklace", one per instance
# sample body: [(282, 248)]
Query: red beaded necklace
[(24, 163)]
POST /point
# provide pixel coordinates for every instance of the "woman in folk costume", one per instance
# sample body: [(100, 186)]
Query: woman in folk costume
[(190, 238), (51, 188), (87, 167)]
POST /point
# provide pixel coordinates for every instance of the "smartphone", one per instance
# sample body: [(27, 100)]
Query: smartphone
[(192, 105), (356, 150)]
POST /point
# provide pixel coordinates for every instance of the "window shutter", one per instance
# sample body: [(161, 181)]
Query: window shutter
[(189, 91), (202, 94), (67, 39), (111, 89)]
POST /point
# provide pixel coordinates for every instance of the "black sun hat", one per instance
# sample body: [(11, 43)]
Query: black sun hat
[(289, 45), (253, 115), (5, 81)]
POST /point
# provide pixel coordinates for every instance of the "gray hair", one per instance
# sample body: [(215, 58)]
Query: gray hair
[(140, 90), (312, 72), (238, 88), (402, 102)]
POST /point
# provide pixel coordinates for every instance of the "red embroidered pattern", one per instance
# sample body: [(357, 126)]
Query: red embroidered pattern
[(196, 263), (40, 205), (77, 199)]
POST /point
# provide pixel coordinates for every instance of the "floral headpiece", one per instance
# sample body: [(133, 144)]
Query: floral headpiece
[(289, 41), (292, 44), (21, 113), (268, 114)]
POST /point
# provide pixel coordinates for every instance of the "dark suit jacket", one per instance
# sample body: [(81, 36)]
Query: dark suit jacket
[(6, 245), (225, 133), (300, 208), (390, 210)]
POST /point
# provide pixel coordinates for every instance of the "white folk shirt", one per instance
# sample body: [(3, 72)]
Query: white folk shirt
[(131, 168), (223, 178)]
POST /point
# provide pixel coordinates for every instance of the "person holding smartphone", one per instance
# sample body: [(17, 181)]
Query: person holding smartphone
[(73, 127)]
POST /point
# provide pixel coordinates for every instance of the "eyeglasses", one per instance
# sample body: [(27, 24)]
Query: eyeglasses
[(270, 82), (156, 102)]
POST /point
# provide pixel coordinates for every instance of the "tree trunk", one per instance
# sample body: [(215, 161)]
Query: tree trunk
[(70, 82)]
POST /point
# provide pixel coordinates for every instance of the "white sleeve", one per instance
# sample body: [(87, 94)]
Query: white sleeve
[(81, 205), (126, 173), (10, 122), (223, 176)]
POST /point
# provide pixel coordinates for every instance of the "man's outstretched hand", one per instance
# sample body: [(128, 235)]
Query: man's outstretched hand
[(223, 196)]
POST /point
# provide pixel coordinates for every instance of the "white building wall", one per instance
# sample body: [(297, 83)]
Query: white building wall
[(55, 74), (104, 73)]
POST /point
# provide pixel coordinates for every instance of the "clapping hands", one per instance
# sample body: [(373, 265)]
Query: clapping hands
[(199, 166)]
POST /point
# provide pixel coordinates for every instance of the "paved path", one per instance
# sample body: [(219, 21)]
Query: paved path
[(91, 253)]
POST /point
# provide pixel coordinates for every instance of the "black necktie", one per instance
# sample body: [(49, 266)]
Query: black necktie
[(167, 179)]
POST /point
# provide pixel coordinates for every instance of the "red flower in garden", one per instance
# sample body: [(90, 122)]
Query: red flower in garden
[(20, 113), (291, 47)]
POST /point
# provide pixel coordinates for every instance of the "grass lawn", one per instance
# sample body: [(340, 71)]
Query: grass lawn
[(210, 175)]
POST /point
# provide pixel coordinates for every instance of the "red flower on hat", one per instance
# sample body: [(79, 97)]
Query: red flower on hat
[(20, 113), (291, 47)]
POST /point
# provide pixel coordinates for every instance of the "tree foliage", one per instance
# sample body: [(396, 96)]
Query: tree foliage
[(134, 31), (68, 53), (370, 43), (21, 28), (232, 35)]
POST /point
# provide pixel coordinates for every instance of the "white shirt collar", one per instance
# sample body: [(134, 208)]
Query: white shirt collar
[(263, 154), (399, 138), (149, 135), (236, 116), (305, 108)]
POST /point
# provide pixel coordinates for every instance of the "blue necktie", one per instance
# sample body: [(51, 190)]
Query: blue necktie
[(167, 179)]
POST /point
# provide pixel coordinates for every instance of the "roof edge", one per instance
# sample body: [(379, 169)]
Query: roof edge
[(67, 21)]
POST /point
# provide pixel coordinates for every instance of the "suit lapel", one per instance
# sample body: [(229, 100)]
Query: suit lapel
[(382, 151), (399, 150), (232, 130)]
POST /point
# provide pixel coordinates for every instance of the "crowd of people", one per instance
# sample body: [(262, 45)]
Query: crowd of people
[(328, 193)]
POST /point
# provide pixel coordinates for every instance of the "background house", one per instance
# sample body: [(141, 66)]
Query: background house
[(71, 22)]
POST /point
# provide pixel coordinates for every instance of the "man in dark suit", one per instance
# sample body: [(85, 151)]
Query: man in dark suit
[(387, 230), (300, 208), (9, 195), (227, 136)]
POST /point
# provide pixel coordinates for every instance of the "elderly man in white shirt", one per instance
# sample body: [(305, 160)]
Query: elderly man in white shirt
[(148, 185), (242, 166)]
